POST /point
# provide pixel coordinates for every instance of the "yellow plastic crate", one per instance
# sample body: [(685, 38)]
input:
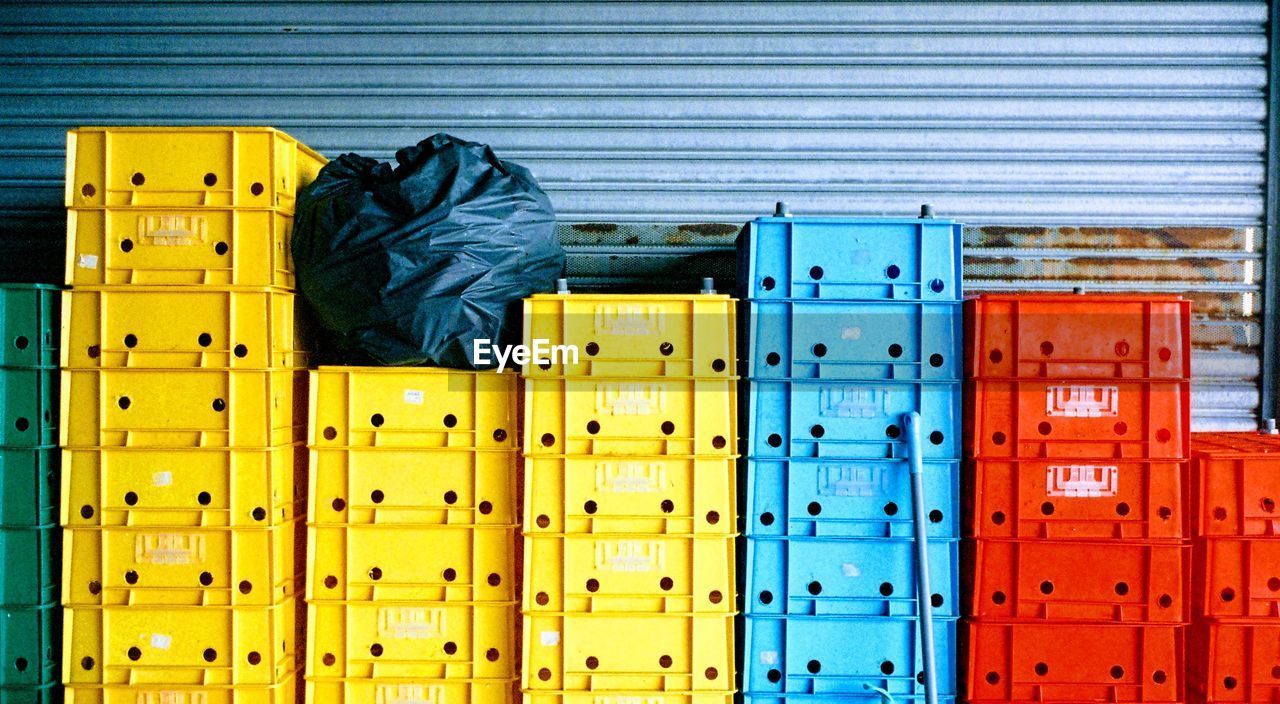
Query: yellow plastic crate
[(412, 407), (405, 486), (182, 407), (409, 691), (167, 328), (184, 645), (284, 693), (156, 566), (669, 335), (630, 417), (656, 495), (126, 486), (638, 574), (244, 167), (198, 246), (641, 652), (422, 640), (411, 563), (629, 697)]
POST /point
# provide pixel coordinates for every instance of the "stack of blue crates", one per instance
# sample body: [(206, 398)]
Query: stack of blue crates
[(850, 323)]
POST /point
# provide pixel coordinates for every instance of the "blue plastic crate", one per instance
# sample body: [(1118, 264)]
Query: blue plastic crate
[(849, 419), (29, 651), (29, 565), (28, 487), (847, 498), (854, 340), (29, 325), (847, 577), (867, 697), (850, 258), (838, 654)]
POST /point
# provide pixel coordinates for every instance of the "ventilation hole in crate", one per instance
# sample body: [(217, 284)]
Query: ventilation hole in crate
[(815, 272), (936, 285), (1228, 594), (892, 431), (936, 437), (542, 521), (767, 283), (1268, 505), (494, 579), (95, 587), (1159, 677), (87, 190), (204, 340), (1047, 508), (774, 676), (1165, 354), (592, 349), (815, 587), (1122, 588), (542, 598), (1042, 669), (544, 674), (135, 653), (210, 655), (254, 657), (20, 664), (93, 351), (668, 427), (548, 439), (1219, 513), (715, 596), (592, 662), (890, 509), (814, 667), (1273, 584), (665, 661), (936, 600), (1163, 435), (130, 498), (126, 245), (1046, 587), (666, 583), (718, 442), (130, 340), (86, 663), (667, 505), (259, 513), (774, 440), (221, 248), (206, 578), (887, 667), (338, 504), (256, 188), (131, 577), (718, 365), (1044, 428), (376, 420), (766, 597), (998, 598), (1121, 427), (450, 574), (590, 506), (219, 405), (376, 650), (376, 496), (996, 356), (21, 342), (330, 433), (210, 179), (330, 582), (998, 518), (1164, 512), (485, 508), (451, 497), (895, 350), (450, 420), (375, 573), (544, 365), (998, 438), (814, 508), (935, 516), (993, 678), (666, 348), (886, 589), (711, 673), (819, 350), (935, 360), (86, 511), (817, 431), (1122, 509), (893, 271), (1117, 672), (773, 359), (766, 519), (22, 424), (240, 351), (137, 178), (1275, 672), (246, 586), (593, 427), (492, 655), (713, 517), (1122, 349), (1046, 348), (1165, 601)]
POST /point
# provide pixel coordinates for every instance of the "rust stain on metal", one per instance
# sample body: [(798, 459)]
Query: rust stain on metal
[(595, 228), (634, 239), (1103, 237), (709, 229), (678, 238)]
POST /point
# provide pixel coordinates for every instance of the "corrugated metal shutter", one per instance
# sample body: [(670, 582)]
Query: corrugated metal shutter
[(1117, 145)]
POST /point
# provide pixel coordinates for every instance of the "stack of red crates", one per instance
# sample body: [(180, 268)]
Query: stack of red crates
[(1234, 647), (1077, 431)]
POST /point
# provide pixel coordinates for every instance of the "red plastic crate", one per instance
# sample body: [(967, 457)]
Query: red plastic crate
[(1131, 500), (1234, 662), (1235, 484), (1078, 336), (1119, 581), (1077, 419), (1068, 662), (1237, 578)]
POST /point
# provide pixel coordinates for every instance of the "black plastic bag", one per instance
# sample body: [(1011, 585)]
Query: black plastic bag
[(408, 265)]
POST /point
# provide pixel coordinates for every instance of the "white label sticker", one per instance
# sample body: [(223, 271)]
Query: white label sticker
[(549, 638), (87, 261), (162, 478), (161, 641), (413, 396), (768, 657)]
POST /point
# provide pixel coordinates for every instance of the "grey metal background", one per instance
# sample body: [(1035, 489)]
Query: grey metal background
[(1115, 145)]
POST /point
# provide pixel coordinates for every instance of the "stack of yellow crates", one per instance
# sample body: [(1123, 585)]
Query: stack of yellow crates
[(182, 416), (629, 584), (412, 527)]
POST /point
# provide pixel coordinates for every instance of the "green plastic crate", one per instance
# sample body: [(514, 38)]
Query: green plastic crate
[(29, 565), (50, 693), (29, 406), (29, 325), (28, 487), (29, 650)]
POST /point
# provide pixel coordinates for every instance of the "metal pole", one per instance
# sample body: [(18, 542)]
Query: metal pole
[(924, 594)]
